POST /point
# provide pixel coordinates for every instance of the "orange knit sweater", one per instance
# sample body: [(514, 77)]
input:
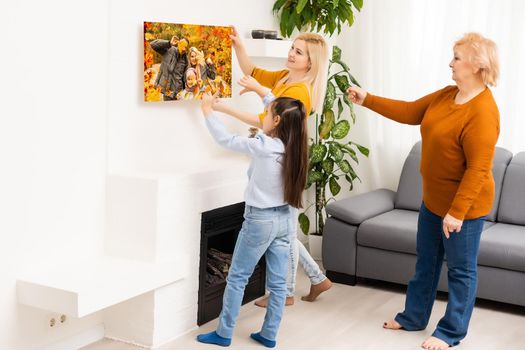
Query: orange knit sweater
[(458, 144)]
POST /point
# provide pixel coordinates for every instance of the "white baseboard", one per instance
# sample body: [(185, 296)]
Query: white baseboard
[(129, 342), (79, 340), (175, 338)]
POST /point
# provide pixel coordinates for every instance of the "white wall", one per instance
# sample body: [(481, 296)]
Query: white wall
[(52, 150), (71, 109), (165, 136)]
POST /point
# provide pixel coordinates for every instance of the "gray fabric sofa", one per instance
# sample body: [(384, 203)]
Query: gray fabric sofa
[(373, 235)]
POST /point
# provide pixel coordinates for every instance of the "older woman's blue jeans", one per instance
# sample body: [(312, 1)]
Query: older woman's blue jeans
[(461, 250), (264, 232)]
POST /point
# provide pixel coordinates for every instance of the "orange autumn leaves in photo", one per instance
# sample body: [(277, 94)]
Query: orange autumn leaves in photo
[(213, 44)]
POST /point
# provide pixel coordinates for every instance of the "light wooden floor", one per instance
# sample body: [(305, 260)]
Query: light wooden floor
[(348, 317)]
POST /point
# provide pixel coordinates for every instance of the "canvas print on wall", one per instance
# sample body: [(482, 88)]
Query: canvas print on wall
[(184, 61)]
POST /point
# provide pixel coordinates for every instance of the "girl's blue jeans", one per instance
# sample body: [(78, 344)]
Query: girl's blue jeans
[(265, 232)]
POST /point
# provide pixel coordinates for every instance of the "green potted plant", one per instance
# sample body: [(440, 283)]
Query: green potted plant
[(330, 155), (325, 15)]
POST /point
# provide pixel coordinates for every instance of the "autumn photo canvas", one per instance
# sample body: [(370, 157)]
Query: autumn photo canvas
[(185, 61)]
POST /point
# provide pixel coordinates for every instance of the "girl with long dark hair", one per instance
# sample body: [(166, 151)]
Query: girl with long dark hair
[(277, 176)]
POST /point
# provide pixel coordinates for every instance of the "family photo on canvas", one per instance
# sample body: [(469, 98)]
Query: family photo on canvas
[(185, 61)]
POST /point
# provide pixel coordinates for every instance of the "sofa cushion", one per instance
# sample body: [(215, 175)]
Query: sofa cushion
[(355, 210), (502, 158), (409, 191), (503, 246), (395, 230), (512, 201)]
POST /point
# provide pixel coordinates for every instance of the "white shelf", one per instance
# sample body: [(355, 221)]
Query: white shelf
[(84, 287), (267, 48)]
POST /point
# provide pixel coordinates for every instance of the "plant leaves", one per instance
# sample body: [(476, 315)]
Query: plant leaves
[(304, 223), (343, 65), (327, 125), (336, 152), (352, 112), (307, 14), (344, 9), (352, 79), (334, 186), (341, 128), (358, 4), (353, 175), (284, 22), (339, 108), (330, 96), (336, 53), (364, 151), (350, 106), (350, 18), (353, 155), (317, 153), (292, 23), (344, 166), (332, 25), (300, 6), (327, 165), (314, 176), (278, 4), (350, 151), (350, 181), (342, 82), (320, 16)]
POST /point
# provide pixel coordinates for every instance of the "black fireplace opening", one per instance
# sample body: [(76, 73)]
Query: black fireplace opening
[(219, 230)]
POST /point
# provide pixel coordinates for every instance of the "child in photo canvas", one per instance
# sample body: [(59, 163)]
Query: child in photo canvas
[(277, 177)]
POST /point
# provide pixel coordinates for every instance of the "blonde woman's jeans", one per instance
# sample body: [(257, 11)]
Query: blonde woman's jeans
[(299, 255)]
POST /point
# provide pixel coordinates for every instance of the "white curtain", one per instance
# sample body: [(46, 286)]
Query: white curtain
[(401, 49)]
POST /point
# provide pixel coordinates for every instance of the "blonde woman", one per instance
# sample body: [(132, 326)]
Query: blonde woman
[(204, 67), (459, 130), (303, 79)]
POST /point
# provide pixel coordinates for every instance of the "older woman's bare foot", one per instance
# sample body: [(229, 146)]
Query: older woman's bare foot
[(264, 302), (392, 324), (434, 343), (316, 289)]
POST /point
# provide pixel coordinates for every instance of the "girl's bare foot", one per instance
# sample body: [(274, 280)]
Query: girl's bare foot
[(434, 343), (316, 289), (392, 324), (264, 302)]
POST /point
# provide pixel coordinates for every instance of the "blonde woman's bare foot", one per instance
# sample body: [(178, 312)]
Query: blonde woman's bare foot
[(392, 324), (316, 289), (264, 302), (434, 343)]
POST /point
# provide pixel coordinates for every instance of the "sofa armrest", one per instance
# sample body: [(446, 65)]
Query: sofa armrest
[(355, 210)]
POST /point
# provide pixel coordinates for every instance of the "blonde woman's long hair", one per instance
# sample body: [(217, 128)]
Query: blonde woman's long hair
[(318, 72)]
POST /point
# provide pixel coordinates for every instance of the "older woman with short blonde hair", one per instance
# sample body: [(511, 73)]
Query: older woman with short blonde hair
[(459, 131), (483, 55)]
